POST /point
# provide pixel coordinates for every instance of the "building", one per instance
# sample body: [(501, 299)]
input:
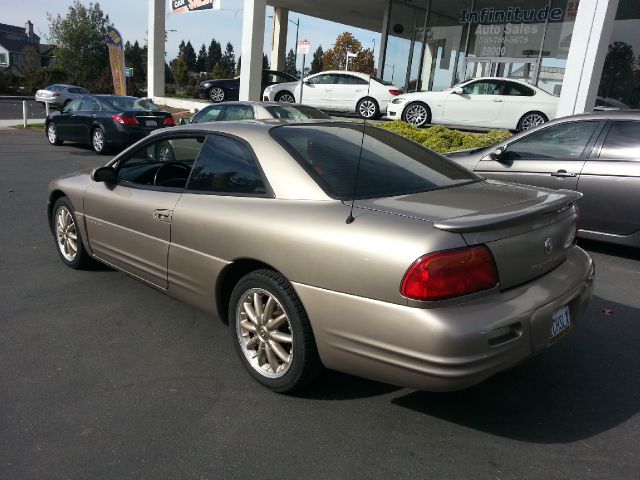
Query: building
[(582, 50), (18, 44)]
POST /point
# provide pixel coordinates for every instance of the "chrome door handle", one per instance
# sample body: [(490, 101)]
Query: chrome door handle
[(563, 173), (162, 215), (497, 100)]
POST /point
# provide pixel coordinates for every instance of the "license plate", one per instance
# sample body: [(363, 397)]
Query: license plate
[(560, 323), (151, 123)]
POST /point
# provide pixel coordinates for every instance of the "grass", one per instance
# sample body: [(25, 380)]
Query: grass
[(32, 126)]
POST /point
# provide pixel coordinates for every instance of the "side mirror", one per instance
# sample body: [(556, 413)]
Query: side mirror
[(458, 91), (497, 154), (185, 121), (104, 174), (306, 82)]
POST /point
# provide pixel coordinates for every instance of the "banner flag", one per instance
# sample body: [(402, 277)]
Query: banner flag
[(116, 59), (184, 6)]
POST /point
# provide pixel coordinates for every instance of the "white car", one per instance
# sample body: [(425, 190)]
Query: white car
[(338, 90), (481, 102)]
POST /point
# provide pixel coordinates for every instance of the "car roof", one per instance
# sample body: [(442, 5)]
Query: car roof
[(344, 72), (630, 114)]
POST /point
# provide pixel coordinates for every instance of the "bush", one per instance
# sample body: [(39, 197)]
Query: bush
[(443, 139)]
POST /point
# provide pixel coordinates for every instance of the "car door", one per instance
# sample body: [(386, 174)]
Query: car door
[(226, 184), (517, 99), (85, 116), (480, 103), (551, 157), (317, 90), (64, 122), (129, 222), (610, 181), (346, 93)]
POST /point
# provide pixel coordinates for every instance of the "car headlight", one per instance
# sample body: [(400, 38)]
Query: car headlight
[(398, 100)]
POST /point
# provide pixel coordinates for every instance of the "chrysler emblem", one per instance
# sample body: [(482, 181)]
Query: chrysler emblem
[(548, 245)]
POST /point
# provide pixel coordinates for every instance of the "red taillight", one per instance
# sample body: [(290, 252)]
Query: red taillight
[(395, 92), (448, 274), (55, 95), (124, 120), (169, 122)]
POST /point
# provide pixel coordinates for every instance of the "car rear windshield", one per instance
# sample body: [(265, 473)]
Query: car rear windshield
[(130, 103), (390, 165), (54, 88), (297, 112)]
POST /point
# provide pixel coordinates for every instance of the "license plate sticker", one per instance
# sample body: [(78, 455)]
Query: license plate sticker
[(560, 323), (151, 123)]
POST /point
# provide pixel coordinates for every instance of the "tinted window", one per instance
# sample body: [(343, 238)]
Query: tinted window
[(73, 106), (83, 91), (351, 80), (390, 165), (323, 79), (277, 77), (54, 88), (296, 112), (483, 87), (515, 89), (163, 163), (238, 112), (623, 141), (90, 104), (129, 103), (226, 166), (564, 141), (208, 114)]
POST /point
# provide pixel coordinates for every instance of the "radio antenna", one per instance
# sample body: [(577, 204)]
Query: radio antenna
[(351, 218)]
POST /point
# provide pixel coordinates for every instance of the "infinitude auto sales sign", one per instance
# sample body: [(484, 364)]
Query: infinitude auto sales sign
[(116, 59), (183, 6)]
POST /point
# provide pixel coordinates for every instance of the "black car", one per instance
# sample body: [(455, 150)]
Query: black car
[(228, 88), (106, 121)]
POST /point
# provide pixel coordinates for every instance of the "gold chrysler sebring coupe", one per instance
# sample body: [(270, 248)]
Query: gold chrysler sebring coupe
[(337, 245)]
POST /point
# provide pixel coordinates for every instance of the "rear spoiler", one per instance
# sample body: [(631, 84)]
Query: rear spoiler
[(555, 202)]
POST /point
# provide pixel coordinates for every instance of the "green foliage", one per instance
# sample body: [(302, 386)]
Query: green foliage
[(10, 83), (443, 139), (290, 63), (202, 59), (80, 39), (316, 63), (228, 61), (180, 70), (214, 54)]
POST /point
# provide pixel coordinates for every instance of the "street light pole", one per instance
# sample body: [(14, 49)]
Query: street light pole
[(295, 58)]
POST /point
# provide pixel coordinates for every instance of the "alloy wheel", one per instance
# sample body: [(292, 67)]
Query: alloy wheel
[(216, 94), (367, 109), (264, 333), (286, 98), (416, 114), (51, 133), (98, 140), (66, 233), (531, 120)]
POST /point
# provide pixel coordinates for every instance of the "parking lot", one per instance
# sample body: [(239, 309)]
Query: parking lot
[(104, 377)]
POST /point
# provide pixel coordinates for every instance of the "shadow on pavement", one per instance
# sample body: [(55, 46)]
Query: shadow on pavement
[(587, 384), (340, 386), (610, 249)]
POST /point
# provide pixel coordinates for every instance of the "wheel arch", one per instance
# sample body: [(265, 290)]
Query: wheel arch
[(282, 92), (54, 196)]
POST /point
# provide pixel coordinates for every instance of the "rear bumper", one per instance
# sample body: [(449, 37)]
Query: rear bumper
[(447, 348), (123, 135)]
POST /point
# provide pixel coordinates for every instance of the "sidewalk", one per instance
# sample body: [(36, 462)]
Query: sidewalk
[(5, 124)]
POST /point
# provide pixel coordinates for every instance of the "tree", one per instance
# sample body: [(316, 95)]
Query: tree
[(189, 56), (80, 39), (219, 72), (136, 58), (265, 62), (290, 63), (335, 58), (239, 65), (228, 61), (619, 73), (180, 70), (202, 59), (316, 63), (214, 54)]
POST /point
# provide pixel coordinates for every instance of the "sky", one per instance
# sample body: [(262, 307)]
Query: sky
[(225, 25)]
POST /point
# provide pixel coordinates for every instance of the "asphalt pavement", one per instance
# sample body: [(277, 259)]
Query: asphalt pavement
[(104, 377)]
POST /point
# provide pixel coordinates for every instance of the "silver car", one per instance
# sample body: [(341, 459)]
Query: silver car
[(337, 245), (595, 154), (60, 94)]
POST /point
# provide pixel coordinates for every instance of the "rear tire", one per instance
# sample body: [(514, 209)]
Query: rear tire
[(368, 108), (271, 332), (417, 113), (67, 235), (285, 97), (217, 94), (99, 141), (530, 120), (52, 134)]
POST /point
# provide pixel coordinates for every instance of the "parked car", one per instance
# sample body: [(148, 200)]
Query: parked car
[(596, 154), (330, 243), (60, 94), (482, 102), (338, 91), (227, 89), (254, 110), (106, 121)]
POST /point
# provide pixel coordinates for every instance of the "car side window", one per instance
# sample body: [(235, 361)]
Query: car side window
[(321, 79), (90, 105), (226, 166), (238, 112), (622, 142), (208, 114), (517, 90), (483, 87), (351, 80), (566, 141), (166, 162), (73, 106)]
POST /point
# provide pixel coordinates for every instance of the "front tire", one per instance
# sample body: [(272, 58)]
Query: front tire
[(99, 141), (368, 108), (216, 95), (530, 120), (67, 235), (52, 134), (417, 113), (271, 332), (285, 97)]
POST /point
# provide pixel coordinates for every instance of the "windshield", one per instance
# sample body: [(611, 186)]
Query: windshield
[(297, 112), (130, 103), (390, 165)]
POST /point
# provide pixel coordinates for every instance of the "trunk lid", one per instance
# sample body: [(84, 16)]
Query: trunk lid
[(529, 230), (148, 119)]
